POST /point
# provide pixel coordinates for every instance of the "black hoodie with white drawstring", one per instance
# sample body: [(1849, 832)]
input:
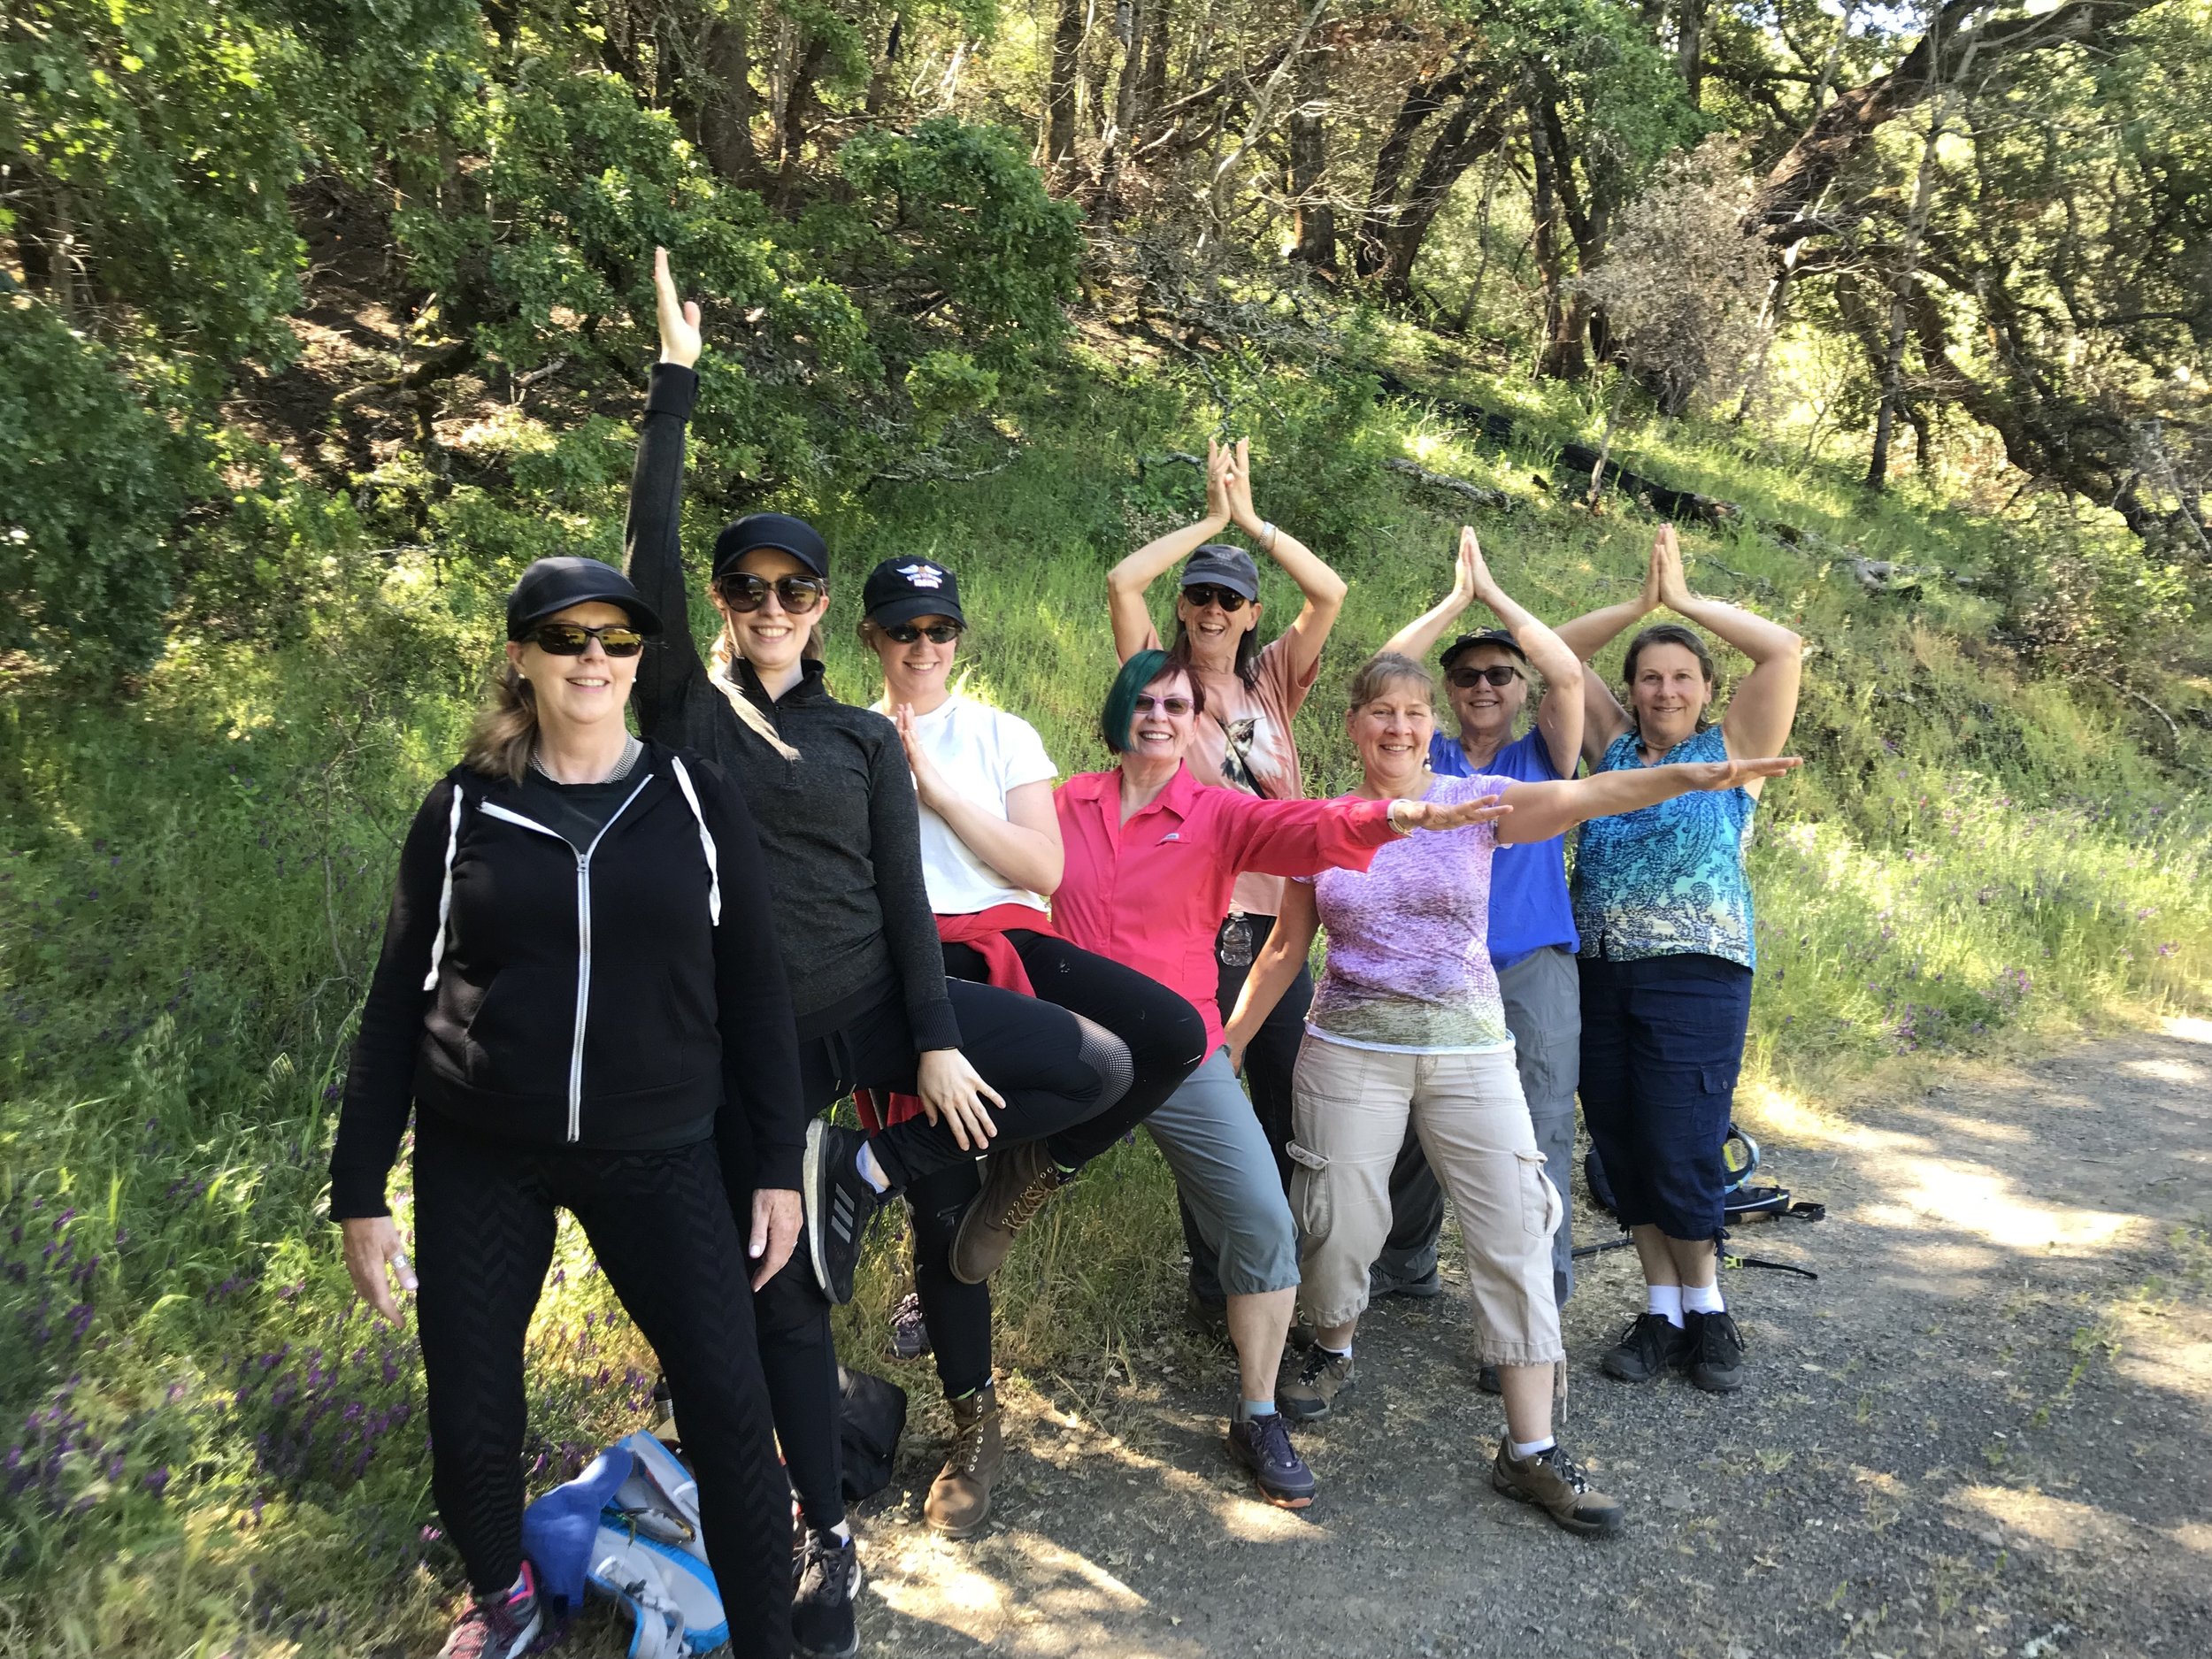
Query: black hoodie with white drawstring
[(620, 998)]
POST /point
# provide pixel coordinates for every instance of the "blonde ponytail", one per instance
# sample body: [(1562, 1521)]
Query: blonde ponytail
[(718, 662)]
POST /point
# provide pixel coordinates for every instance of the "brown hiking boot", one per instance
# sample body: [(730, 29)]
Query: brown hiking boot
[(1554, 1483), (1016, 1184), (959, 1499)]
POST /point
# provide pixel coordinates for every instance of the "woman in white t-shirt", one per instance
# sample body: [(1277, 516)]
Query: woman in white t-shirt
[(991, 857)]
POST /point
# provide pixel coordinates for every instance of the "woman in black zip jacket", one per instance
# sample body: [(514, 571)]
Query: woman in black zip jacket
[(840, 828), (581, 998)]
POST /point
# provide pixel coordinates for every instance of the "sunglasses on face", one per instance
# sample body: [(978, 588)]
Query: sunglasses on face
[(574, 638), (936, 632), (798, 594), (1497, 674), (1204, 594), (1147, 703)]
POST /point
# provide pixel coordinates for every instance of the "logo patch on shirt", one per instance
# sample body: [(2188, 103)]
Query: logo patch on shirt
[(923, 575)]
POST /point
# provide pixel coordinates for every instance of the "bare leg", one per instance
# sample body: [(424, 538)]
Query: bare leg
[(1259, 1325), (1336, 1336), (1652, 1251), (1527, 1391), (1695, 1261)]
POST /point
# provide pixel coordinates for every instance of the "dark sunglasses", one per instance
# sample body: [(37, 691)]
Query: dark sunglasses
[(574, 638), (1204, 594), (1147, 702), (797, 594), (1496, 674), (937, 633)]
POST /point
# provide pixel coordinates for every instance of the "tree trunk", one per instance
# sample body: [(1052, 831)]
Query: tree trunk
[(1422, 100), (1689, 48), (879, 83), (1152, 79), (1476, 128), (1562, 358), (1067, 47), (727, 106), (1316, 244)]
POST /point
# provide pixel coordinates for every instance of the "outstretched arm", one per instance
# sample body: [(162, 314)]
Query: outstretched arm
[(652, 546), (1126, 582), (1541, 810), (1322, 588), (1603, 718), (1285, 951), (1760, 710)]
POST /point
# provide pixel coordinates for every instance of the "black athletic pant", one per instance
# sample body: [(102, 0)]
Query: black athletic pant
[(1268, 1061), (1165, 1039), (660, 1225), (1054, 1070)]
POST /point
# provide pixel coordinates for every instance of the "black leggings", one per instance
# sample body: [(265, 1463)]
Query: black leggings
[(661, 1227), (1165, 1039), (1269, 1060), (1055, 1071)]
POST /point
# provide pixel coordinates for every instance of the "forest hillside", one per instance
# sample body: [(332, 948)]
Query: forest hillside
[(318, 322)]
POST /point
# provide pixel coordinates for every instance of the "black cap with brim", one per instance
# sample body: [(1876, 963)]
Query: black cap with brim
[(550, 586), (1489, 636), (1229, 567), (900, 589), (776, 530)]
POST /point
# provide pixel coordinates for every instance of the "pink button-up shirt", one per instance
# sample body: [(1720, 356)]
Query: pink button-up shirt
[(1150, 894)]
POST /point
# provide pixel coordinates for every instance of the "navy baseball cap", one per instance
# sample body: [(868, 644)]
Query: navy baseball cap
[(555, 584), (1229, 567), (778, 530), (1489, 636), (900, 589)]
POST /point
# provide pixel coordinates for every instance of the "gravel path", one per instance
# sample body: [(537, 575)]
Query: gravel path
[(1985, 1431)]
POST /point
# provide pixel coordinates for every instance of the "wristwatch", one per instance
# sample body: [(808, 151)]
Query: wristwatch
[(1397, 823)]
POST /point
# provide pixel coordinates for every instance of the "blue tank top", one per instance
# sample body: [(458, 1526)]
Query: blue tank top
[(1667, 880)]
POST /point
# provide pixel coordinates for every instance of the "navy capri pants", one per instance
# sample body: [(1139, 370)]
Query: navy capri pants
[(1662, 1043)]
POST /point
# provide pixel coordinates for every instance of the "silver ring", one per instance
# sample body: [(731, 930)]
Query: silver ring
[(399, 1259)]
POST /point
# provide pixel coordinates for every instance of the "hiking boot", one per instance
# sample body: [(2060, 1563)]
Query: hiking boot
[(909, 1330), (1486, 1379), (1648, 1348), (1016, 1184), (1555, 1484), (1419, 1287), (502, 1625), (1712, 1352), (1263, 1446), (1323, 1380), (959, 1499), (826, 1576), (839, 1204)]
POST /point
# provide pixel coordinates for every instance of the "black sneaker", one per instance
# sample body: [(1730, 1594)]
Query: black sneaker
[(826, 1576), (1486, 1379), (839, 1204), (1712, 1352), (1263, 1446), (1647, 1349), (1382, 1282)]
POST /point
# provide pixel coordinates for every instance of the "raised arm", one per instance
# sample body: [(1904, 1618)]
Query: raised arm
[(1322, 588), (1126, 582), (1541, 810), (1419, 637), (1761, 708), (1560, 716), (652, 545), (1603, 720), (1297, 924)]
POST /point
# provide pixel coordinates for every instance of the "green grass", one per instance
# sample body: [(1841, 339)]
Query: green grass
[(213, 1454)]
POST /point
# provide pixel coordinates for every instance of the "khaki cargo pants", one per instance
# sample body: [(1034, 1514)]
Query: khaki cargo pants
[(1352, 1109)]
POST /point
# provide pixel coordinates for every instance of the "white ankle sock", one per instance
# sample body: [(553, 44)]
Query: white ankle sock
[(871, 1172), (1336, 1353), (1702, 1299), (1664, 1298), (1530, 1448)]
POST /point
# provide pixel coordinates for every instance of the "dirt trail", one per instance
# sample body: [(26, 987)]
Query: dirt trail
[(1986, 1431)]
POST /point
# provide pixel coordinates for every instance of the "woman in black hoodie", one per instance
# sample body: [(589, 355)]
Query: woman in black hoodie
[(840, 828), (581, 998)]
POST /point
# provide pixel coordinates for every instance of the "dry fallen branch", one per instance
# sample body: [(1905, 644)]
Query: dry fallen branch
[(1480, 495)]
